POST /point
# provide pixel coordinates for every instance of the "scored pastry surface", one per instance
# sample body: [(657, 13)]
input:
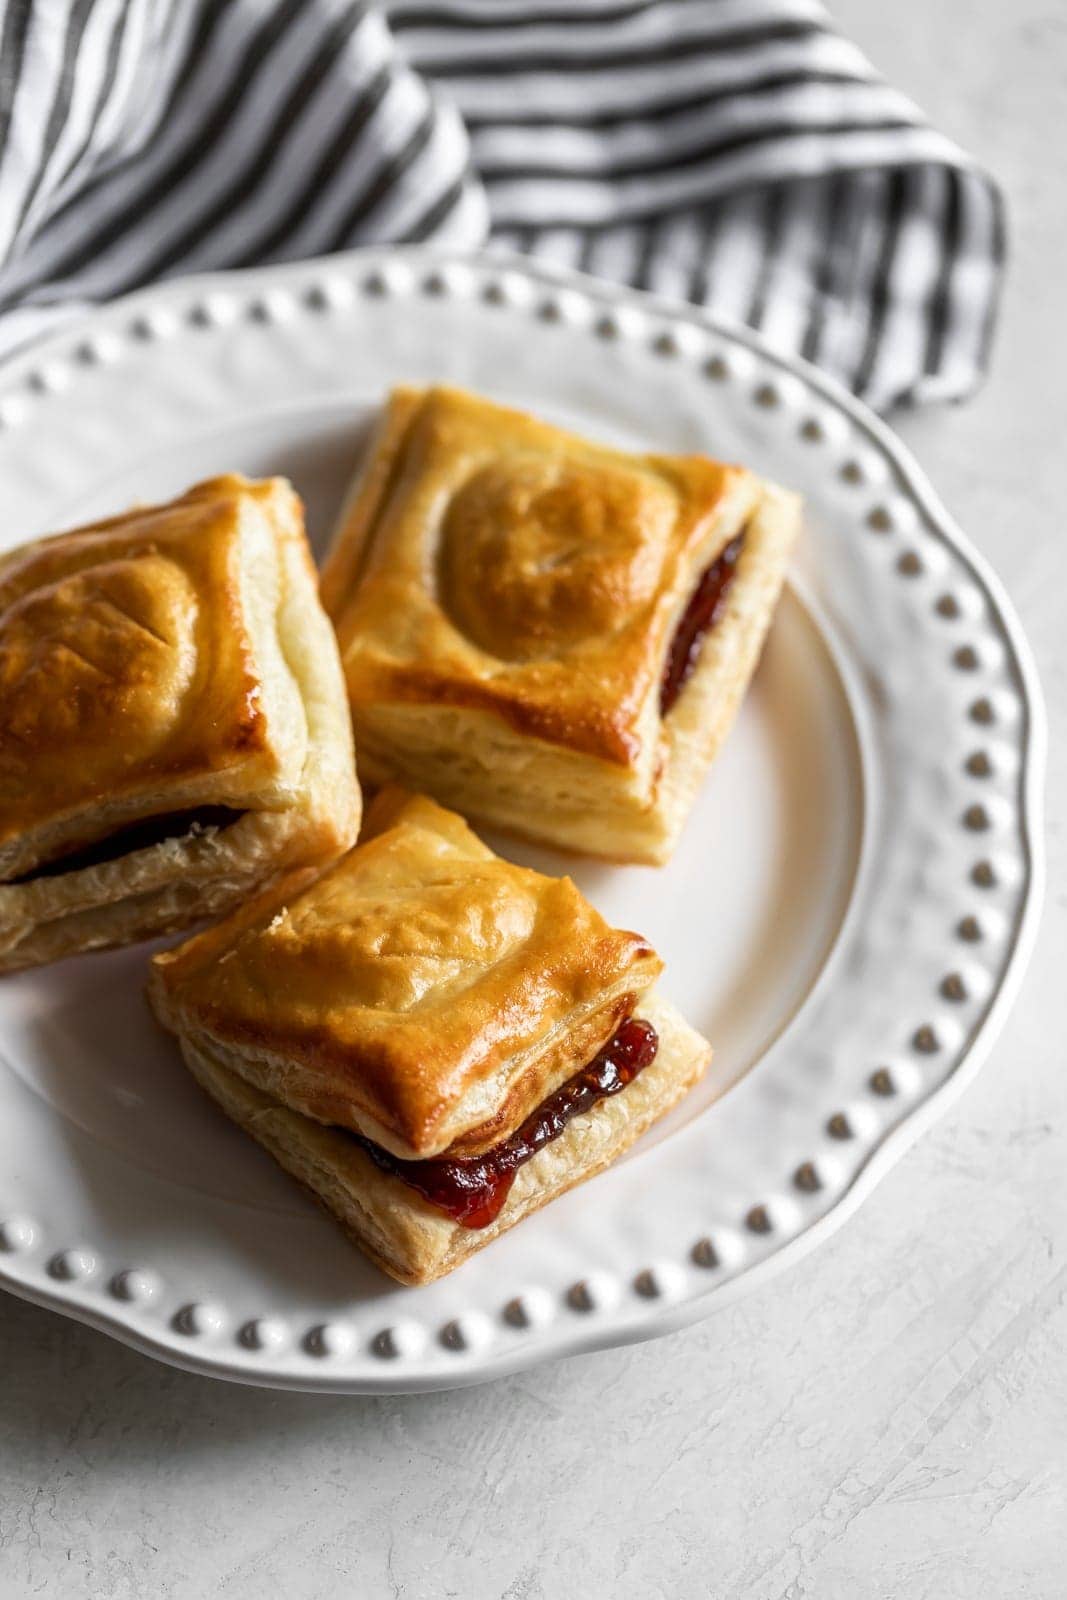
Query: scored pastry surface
[(173, 726), (506, 595), (420, 990)]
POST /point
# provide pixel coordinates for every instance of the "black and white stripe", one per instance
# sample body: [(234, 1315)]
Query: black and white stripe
[(737, 153)]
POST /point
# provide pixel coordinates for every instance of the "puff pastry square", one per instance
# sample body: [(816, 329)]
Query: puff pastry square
[(552, 636), (173, 722), (390, 1026)]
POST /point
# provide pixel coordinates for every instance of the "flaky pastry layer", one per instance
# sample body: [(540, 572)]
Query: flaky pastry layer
[(388, 1220), (543, 792), (506, 594), (420, 990), (166, 661), (491, 562)]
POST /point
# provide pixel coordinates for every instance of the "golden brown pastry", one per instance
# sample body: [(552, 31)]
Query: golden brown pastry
[(173, 726), (552, 636), (434, 1040)]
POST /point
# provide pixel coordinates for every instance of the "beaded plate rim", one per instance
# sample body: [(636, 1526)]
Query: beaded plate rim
[(68, 1277)]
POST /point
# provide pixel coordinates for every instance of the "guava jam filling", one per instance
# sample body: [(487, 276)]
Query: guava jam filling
[(699, 617), (471, 1191), (140, 835)]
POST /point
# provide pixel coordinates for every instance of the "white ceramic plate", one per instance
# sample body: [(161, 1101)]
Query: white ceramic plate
[(847, 917)]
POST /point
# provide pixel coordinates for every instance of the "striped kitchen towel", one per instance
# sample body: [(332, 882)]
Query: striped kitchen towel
[(740, 154)]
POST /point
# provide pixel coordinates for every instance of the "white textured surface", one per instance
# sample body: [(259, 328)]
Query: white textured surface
[(889, 1420)]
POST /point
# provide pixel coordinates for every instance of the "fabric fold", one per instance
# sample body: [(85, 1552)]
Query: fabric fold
[(739, 154)]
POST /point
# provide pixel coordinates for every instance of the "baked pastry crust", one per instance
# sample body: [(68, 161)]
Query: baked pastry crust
[(420, 991), (505, 596), (173, 726), (387, 1219)]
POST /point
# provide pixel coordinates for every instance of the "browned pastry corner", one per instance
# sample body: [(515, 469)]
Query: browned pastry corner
[(422, 1033), (173, 726), (550, 635)]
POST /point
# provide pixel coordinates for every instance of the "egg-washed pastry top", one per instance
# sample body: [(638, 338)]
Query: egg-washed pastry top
[(492, 561), (420, 991), (141, 670)]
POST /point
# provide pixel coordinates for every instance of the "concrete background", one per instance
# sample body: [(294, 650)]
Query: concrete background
[(889, 1419)]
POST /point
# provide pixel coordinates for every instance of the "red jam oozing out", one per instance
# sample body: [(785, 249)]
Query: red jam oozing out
[(699, 617), (472, 1191)]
